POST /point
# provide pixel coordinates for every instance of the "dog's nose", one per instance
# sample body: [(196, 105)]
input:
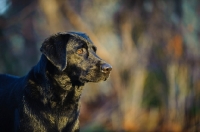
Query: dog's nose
[(105, 68)]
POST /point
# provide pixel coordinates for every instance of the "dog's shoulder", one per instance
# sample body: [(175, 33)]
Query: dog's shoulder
[(8, 76), (10, 84), (6, 79)]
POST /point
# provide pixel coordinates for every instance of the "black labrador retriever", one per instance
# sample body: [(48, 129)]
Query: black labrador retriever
[(47, 98)]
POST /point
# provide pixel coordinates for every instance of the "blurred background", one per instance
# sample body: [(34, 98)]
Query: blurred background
[(152, 45)]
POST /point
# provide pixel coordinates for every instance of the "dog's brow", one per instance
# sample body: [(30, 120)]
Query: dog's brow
[(94, 48), (81, 44)]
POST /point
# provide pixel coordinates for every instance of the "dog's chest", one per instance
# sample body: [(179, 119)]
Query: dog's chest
[(47, 120), (58, 121)]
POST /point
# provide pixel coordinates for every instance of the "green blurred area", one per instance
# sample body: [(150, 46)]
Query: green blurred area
[(152, 45)]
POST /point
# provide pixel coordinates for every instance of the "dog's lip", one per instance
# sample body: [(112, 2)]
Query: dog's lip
[(103, 71), (107, 76), (106, 72)]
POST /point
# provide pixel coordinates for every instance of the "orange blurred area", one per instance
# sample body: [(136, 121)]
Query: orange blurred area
[(153, 47)]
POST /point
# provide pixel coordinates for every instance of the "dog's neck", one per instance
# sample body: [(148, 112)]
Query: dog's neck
[(58, 88)]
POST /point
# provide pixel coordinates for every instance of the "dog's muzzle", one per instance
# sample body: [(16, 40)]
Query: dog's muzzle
[(106, 68)]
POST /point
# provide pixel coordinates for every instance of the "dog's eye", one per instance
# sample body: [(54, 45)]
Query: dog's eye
[(80, 51)]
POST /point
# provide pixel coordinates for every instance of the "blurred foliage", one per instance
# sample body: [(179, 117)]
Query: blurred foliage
[(153, 46)]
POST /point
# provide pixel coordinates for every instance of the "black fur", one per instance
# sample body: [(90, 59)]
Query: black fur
[(47, 98)]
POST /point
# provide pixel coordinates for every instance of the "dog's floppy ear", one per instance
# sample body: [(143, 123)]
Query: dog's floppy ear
[(54, 48)]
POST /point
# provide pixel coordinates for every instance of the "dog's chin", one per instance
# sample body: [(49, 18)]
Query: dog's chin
[(94, 79)]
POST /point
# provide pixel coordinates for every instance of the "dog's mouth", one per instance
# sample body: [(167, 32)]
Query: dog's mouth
[(106, 75), (94, 77)]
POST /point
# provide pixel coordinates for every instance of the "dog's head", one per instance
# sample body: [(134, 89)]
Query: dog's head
[(74, 53)]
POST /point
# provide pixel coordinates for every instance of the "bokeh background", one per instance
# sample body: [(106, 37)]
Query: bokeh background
[(153, 46)]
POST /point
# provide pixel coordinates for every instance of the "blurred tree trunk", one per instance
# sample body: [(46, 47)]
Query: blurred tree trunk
[(191, 28), (178, 91), (51, 9), (135, 60)]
